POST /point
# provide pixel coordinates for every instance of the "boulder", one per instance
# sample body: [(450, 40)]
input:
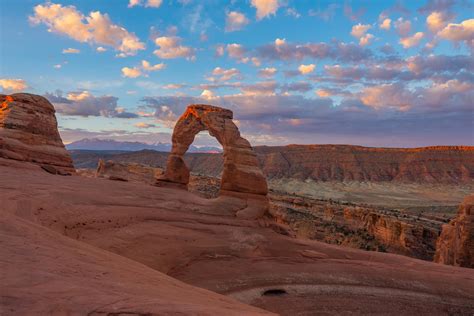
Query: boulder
[(242, 177), (29, 132), (455, 245)]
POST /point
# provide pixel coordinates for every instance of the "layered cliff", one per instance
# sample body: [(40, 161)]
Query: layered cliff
[(443, 164), (455, 245), (454, 164)]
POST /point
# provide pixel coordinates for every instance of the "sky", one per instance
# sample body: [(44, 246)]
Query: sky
[(372, 73)]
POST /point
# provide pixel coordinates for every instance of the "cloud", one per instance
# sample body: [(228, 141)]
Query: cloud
[(306, 69), (83, 103), (147, 3), (326, 14), (267, 72), (280, 49), (71, 51), (437, 21), (223, 74), (207, 94), (131, 72), (13, 85), (293, 12), (235, 21), (385, 24), (57, 66), (411, 41), (144, 125), (146, 66), (170, 47), (96, 28), (360, 30), (463, 31), (391, 115), (101, 49), (403, 27), (265, 8)]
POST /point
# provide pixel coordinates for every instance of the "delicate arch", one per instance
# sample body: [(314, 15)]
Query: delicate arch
[(241, 172)]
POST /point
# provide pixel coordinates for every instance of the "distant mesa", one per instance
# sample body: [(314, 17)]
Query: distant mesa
[(455, 245), (241, 175), (29, 132)]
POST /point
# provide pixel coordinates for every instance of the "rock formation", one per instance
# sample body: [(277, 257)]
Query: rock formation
[(132, 172), (241, 176), (86, 246), (443, 164), (455, 245), (29, 132)]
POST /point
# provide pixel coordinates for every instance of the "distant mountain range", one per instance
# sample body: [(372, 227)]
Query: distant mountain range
[(110, 144)]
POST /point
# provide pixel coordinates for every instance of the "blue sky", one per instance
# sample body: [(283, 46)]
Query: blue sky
[(375, 73)]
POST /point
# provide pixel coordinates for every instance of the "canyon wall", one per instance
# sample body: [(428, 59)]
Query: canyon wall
[(443, 164), (455, 245)]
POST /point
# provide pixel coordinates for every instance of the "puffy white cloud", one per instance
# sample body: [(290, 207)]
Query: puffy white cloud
[(170, 47), (144, 67), (306, 69), (387, 95), (71, 51), (267, 72), (403, 27), (101, 49), (365, 40), (207, 94), (265, 7), (57, 66), (359, 30), (13, 85), (148, 67), (463, 31), (235, 21), (385, 24), (411, 41), (131, 72), (224, 74), (95, 28), (237, 51), (146, 3), (437, 21)]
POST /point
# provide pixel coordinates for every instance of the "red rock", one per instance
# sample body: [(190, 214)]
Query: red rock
[(455, 245), (242, 177), (80, 244), (29, 132)]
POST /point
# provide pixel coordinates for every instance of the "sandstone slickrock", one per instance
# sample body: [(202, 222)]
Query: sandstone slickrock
[(170, 231), (242, 177), (29, 132), (455, 245), (132, 172)]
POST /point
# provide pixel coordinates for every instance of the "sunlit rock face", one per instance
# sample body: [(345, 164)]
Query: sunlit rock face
[(455, 245), (241, 176), (29, 132)]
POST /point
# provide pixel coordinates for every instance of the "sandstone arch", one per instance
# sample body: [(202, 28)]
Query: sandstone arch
[(241, 176)]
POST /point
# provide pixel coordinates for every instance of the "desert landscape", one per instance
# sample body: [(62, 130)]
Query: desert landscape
[(286, 158)]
